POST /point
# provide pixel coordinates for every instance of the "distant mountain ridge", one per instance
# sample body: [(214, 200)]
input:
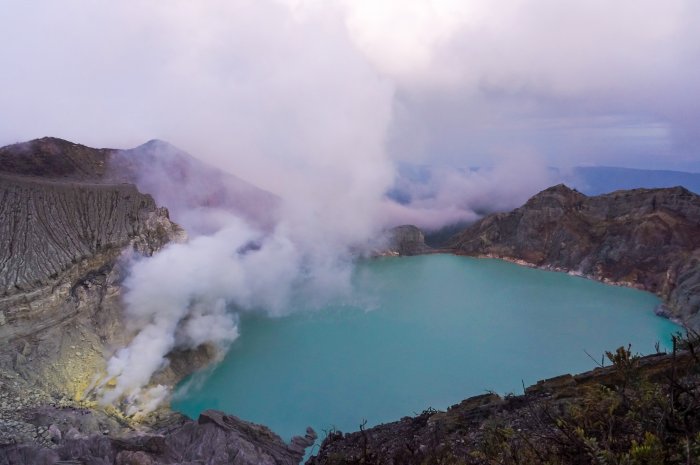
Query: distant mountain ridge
[(595, 180)]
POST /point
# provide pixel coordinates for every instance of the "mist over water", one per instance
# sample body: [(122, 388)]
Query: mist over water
[(420, 332), (250, 250)]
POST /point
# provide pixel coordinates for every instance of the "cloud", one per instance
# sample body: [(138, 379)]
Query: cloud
[(300, 107), (431, 197), (238, 83), (577, 82), (180, 298)]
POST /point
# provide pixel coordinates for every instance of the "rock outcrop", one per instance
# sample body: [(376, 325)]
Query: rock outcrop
[(644, 238), (215, 439), (405, 240)]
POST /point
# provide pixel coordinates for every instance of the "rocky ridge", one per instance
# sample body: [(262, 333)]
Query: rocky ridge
[(65, 235), (643, 238)]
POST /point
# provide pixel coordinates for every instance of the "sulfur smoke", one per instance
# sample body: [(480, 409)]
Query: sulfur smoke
[(319, 139), (304, 112)]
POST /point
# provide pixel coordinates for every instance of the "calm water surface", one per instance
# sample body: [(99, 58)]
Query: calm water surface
[(426, 331)]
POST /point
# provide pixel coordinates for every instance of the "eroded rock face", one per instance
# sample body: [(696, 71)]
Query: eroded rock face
[(49, 227), (65, 237), (61, 269), (645, 238)]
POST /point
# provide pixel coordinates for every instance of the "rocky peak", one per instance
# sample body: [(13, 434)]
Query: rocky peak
[(158, 146), (560, 196), (53, 158)]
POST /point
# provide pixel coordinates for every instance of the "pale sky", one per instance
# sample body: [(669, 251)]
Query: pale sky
[(267, 87)]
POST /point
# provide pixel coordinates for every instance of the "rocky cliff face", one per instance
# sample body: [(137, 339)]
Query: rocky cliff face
[(63, 234), (405, 240), (645, 238), (68, 227), (50, 226)]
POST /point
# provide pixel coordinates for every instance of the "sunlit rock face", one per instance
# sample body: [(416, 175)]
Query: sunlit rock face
[(646, 238), (64, 232)]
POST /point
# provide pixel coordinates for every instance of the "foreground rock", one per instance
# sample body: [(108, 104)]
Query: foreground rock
[(215, 439), (644, 238)]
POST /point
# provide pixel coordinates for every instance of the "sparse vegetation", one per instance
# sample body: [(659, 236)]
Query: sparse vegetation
[(636, 420)]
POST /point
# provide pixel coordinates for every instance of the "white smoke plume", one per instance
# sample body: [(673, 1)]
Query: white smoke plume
[(313, 120), (180, 298)]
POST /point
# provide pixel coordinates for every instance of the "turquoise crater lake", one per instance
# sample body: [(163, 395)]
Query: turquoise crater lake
[(429, 331)]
